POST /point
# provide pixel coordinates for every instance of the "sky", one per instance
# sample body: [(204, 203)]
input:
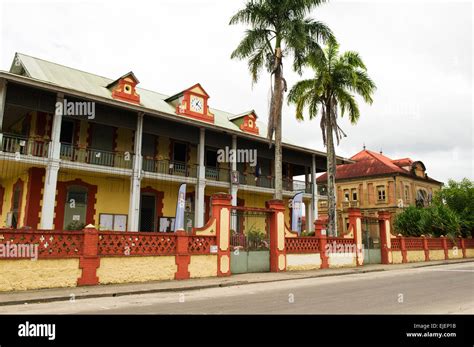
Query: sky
[(419, 53)]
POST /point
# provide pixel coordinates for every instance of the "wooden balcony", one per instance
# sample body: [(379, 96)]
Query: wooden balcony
[(93, 156), (24, 146)]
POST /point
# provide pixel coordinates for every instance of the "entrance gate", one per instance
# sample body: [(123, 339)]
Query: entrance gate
[(249, 240), (371, 240)]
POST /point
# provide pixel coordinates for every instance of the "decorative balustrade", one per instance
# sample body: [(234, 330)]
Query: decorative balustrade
[(25, 146), (169, 167), (47, 243), (100, 157), (302, 245), (435, 243), (395, 244), (136, 243), (414, 243), (341, 240), (296, 186), (201, 244), (218, 174)]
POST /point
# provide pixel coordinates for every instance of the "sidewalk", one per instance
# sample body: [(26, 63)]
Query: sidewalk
[(112, 290)]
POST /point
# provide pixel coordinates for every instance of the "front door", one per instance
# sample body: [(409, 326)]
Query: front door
[(147, 212), (16, 205), (250, 242), (75, 211), (371, 240)]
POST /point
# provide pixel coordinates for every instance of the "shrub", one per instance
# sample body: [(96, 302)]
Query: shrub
[(75, 225), (435, 220), (459, 197), (407, 222)]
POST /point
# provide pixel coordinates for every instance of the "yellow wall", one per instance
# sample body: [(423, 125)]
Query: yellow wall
[(203, 266), (163, 148), (124, 140), (299, 262), (469, 253), (112, 194), (437, 254), (455, 254), (415, 256), (336, 260), (44, 273), (397, 257), (136, 269)]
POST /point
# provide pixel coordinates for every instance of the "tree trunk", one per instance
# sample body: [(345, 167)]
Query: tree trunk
[(277, 107), (331, 173)]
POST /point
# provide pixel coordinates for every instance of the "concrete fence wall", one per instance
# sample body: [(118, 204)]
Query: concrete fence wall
[(91, 257)]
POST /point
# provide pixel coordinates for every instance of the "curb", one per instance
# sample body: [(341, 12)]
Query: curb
[(207, 286)]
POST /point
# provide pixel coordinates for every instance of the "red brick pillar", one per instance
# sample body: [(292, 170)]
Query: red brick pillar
[(319, 226), (445, 247), (221, 205), (385, 237), (182, 256), (425, 248), (277, 236), (403, 248), (355, 220), (89, 261), (463, 247)]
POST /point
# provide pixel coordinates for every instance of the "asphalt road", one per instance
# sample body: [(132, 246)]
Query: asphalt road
[(436, 289)]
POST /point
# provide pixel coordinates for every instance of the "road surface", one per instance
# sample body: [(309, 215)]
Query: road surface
[(435, 289)]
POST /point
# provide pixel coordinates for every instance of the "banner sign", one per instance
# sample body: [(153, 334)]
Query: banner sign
[(297, 212), (180, 206)]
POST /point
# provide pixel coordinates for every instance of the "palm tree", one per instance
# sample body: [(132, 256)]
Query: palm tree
[(337, 78), (278, 29)]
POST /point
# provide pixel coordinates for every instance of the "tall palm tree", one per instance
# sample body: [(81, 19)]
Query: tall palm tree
[(337, 77), (278, 29)]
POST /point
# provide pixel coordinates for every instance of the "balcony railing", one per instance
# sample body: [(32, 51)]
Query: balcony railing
[(296, 186), (100, 157), (24, 146), (218, 174), (348, 204), (258, 181), (169, 167)]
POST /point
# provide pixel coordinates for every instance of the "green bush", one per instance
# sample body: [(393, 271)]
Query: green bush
[(435, 220), (75, 225), (407, 222), (459, 197)]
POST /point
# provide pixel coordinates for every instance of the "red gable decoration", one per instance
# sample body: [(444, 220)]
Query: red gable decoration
[(250, 124), (124, 88), (192, 102)]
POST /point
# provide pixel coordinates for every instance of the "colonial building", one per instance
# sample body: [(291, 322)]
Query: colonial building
[(77, 148), (374, 182)]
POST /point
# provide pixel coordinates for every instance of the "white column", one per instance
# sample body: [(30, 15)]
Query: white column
[(135, 185), (201, 182), (3, 95), (51, 176), (234, 188)]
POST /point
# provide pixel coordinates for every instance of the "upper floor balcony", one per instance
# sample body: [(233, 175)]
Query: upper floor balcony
[(21, 145), (85, 155), (169, 167)]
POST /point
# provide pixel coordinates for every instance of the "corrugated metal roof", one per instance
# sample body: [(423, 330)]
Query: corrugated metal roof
[(86, 82)]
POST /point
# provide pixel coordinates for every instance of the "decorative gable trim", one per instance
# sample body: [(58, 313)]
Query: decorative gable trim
[(124, 88), (247, 122), (185, 107)]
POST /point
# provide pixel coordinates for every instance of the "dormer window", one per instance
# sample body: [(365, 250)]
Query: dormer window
[(192, 102), (247, 122), (124, 88)]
